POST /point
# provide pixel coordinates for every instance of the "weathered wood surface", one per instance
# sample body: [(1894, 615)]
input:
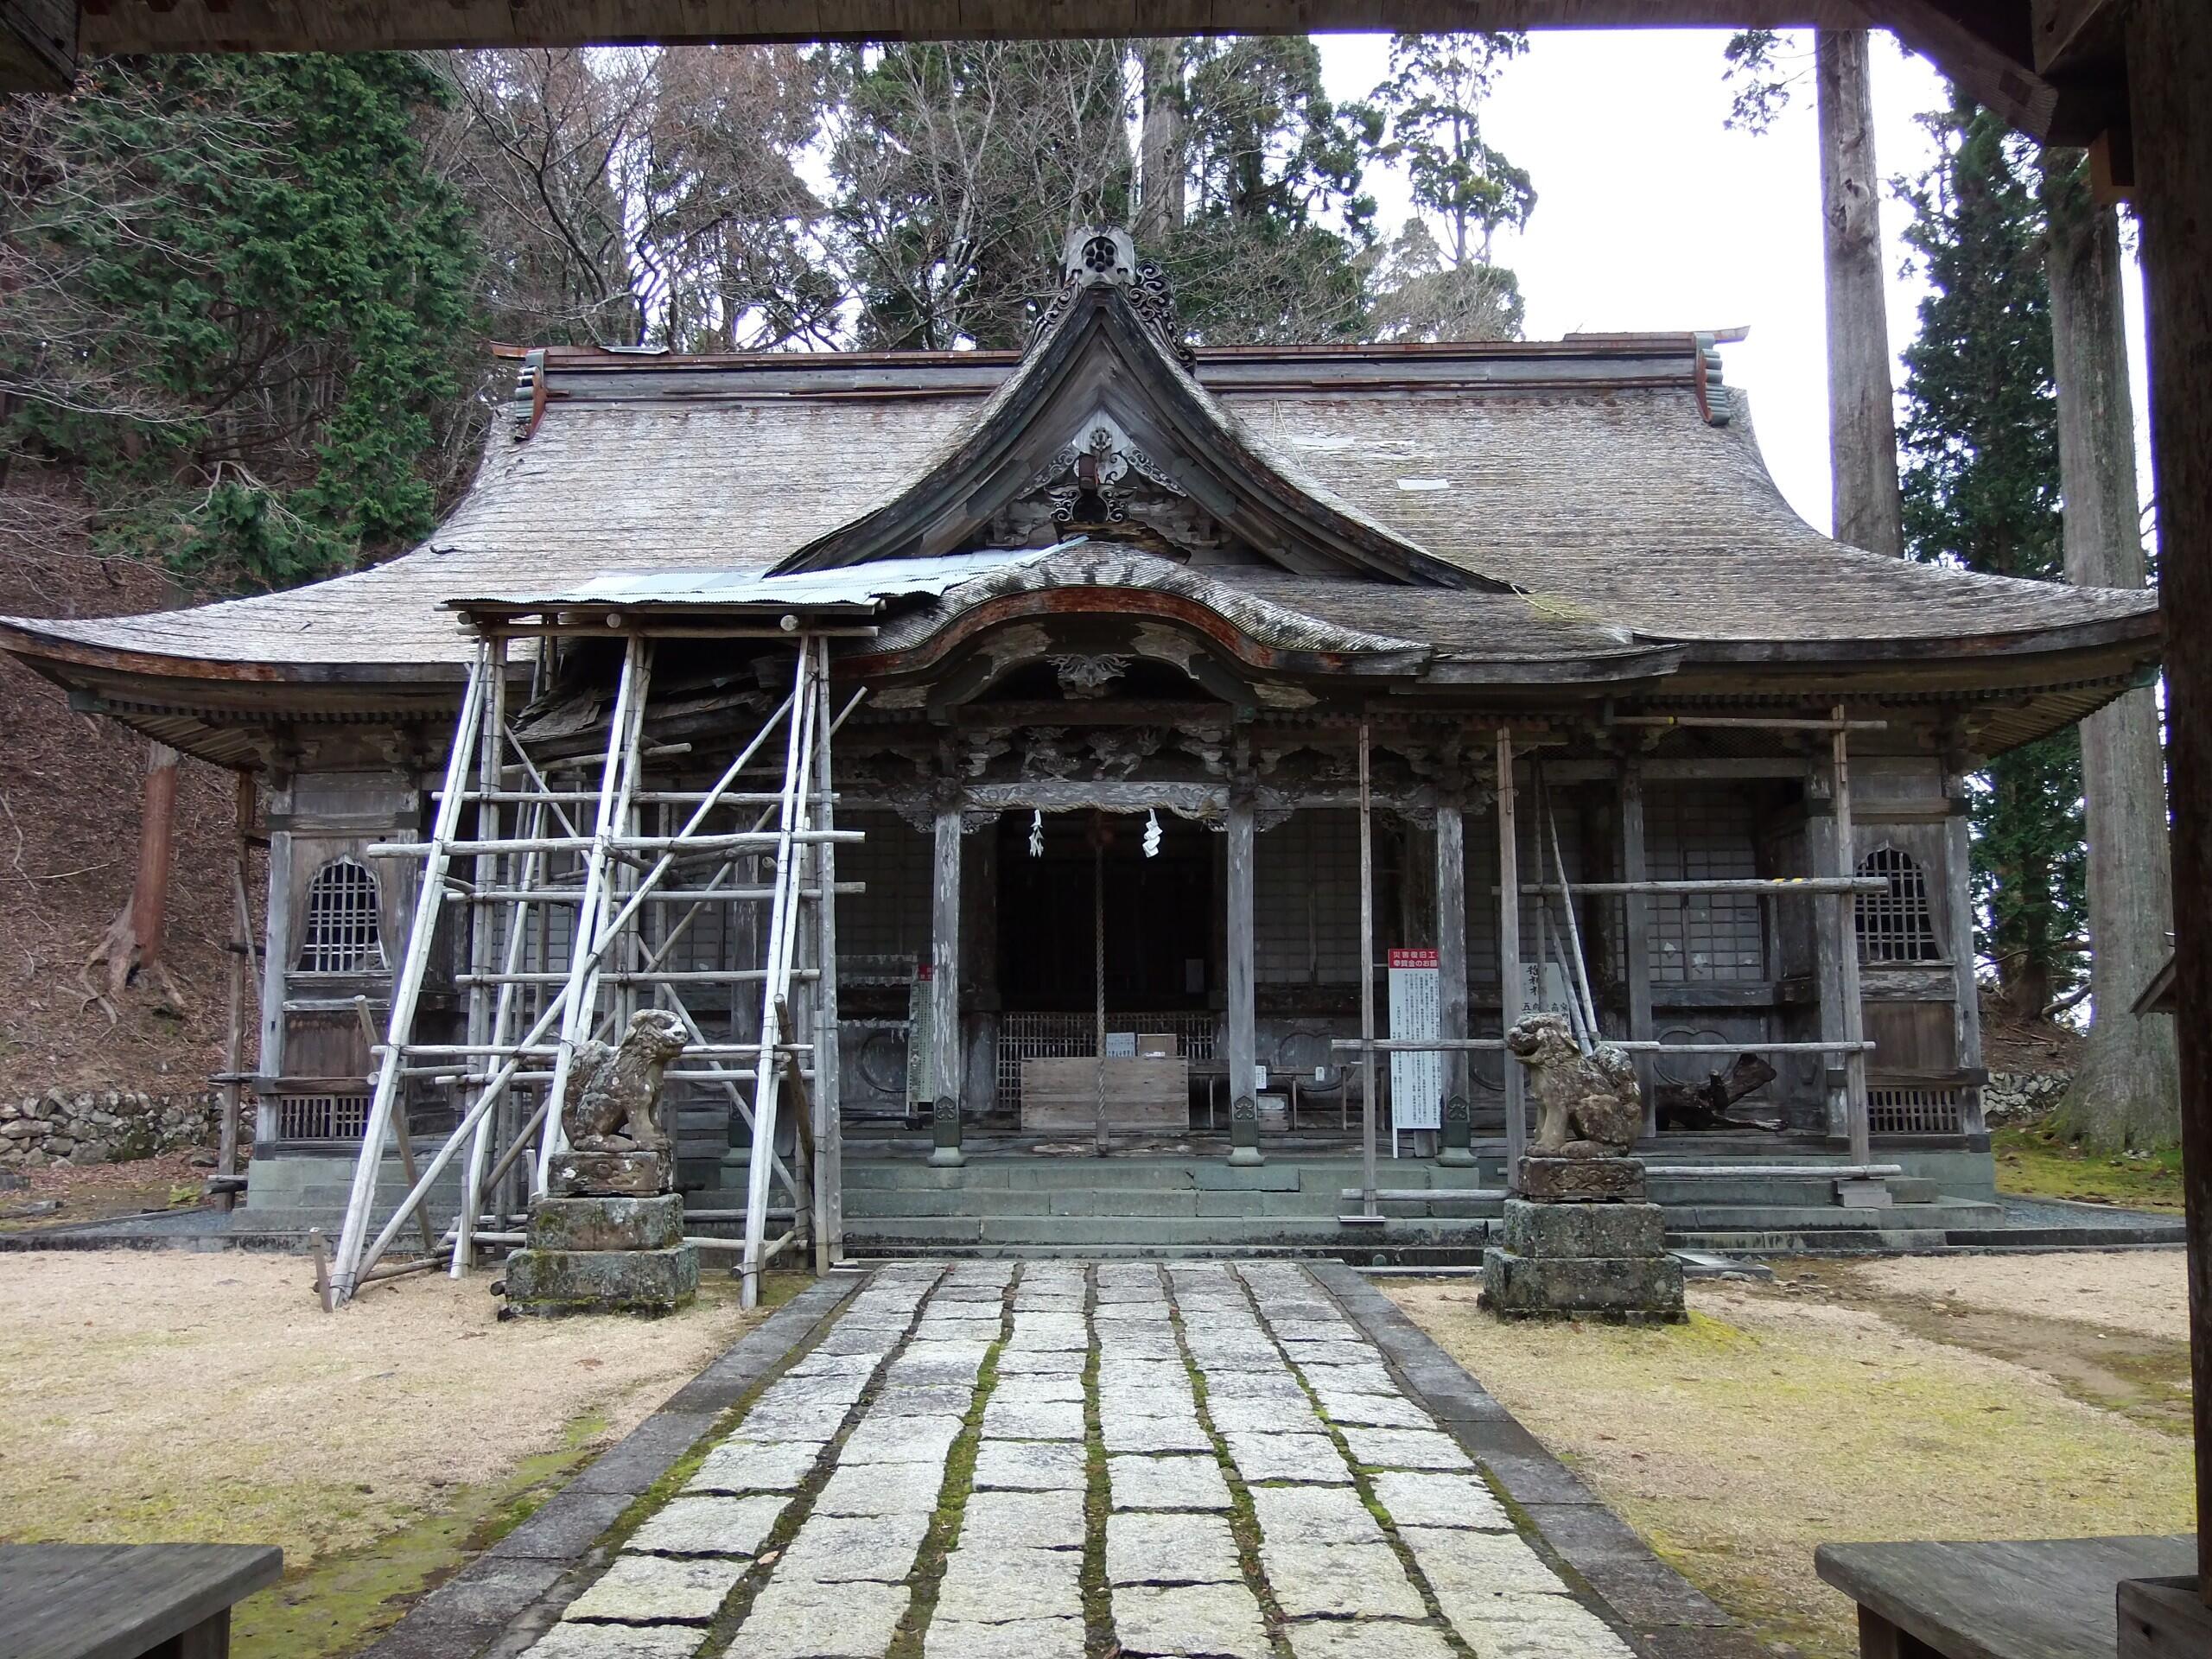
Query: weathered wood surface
[(1142, 1096), (944, 954), (1635, 929), (1244, 1040), (2044, 1598), (1452, 941), (120, 1601), (2163, 1619), (1509, 956), (1994, 51), (2170, 41)]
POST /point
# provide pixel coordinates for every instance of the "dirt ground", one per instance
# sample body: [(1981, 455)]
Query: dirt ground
[(177, 1396), (1962, 1397)]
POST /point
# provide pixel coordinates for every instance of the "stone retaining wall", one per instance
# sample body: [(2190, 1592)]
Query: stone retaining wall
[(2009, 1097), (104, 1125)]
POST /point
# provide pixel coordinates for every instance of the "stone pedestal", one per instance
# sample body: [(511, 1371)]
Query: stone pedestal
[(1582, 1239), (1459, 1151), (606, 1253)]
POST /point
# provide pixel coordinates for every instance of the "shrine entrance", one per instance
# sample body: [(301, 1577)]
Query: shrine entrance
[(1071, 883), (1162, 928)]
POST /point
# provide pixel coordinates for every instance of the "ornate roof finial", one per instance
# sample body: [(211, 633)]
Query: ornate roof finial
[(1103, 256)]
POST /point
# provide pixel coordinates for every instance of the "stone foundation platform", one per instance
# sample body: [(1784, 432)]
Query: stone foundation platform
[(604, 1255), (1583, 1242)]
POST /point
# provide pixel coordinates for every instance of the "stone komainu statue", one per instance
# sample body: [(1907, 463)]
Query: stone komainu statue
[(613, 1101), (1587, 1105)]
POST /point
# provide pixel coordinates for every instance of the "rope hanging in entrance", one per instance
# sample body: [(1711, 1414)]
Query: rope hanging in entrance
[(1151, 834), (1037, 834)]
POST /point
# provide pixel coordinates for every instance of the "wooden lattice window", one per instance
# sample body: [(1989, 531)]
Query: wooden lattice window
[(1899, 925), (321, 1118), (340, 934)]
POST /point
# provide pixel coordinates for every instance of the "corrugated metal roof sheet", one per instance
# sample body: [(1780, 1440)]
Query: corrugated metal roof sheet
[(869, 586)]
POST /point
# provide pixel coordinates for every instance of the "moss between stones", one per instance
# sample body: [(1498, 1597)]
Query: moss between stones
[(927, 1576), (734, 1609), (1098, 1641), (1243, 1518)]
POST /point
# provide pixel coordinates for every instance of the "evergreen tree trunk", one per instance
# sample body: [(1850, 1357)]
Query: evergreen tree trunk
[(1862, 418), (1160, 148), (2127, 1089)]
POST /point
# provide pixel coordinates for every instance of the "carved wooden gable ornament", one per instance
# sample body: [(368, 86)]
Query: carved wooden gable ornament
[(1105, 430)]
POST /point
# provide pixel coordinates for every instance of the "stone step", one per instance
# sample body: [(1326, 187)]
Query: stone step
[(1810, 1240), (1757, 1217), (1085, 1232), (1192, 1175), (1134, 1204)]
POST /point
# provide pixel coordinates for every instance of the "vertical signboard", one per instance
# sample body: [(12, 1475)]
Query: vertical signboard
[(1544, 990), (921, 1045), (1416, 1079)]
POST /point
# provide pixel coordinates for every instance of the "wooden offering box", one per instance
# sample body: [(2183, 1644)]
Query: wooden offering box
[(1143, 1097)]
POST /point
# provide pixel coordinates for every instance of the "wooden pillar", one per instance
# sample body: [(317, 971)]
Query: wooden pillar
[(1862, 420), (276, 959), (1636, 930), (1829, 835), (1847, 906), (1821, 859), (944, 986), (1509, 959), (2169, 65), (241, 954), (1959, 929), (1452, 978), (979, 969), (1243, 1036)]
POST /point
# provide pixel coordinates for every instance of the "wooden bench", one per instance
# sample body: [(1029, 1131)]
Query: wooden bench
[(2044, 1598), (127, 1601)]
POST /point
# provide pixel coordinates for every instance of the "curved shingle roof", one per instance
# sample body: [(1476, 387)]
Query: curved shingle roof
[(1586, 473)]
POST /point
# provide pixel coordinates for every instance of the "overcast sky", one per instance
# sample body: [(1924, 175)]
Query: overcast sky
[(1651, 214)]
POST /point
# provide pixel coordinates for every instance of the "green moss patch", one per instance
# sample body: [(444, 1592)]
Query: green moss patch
[(2032, 1162)]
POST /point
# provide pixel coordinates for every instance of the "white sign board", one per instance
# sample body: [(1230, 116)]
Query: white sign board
[(1416, 1079)]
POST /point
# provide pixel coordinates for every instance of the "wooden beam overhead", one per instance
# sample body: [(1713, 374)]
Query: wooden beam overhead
[(367, 25), (1995, 49), (38, 45), (2071, 36)]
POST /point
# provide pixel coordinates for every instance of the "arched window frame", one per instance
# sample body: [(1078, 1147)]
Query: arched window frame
[(1896, 927), (342, 926)]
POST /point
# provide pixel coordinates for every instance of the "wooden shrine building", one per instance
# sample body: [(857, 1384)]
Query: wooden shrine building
[(1140, 629)]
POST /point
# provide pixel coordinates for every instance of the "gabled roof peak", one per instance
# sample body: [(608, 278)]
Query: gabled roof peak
[(1104, 427), (1103, 256)]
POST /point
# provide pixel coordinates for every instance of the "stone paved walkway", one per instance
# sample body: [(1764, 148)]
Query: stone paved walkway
[(1045, 1460)]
